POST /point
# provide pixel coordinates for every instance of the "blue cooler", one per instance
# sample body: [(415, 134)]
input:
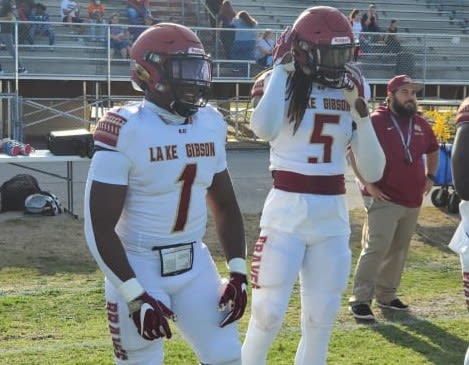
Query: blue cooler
[(443, 174)]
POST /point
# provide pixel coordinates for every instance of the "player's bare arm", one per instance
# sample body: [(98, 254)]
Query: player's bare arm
[(228, 219), (432, 161), (229, 224), (106, 203)]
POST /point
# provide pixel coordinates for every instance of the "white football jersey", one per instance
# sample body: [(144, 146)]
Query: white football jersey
[(319, 145), (318, 148), (170, 168)]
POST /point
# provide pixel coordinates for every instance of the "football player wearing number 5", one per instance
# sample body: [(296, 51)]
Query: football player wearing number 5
[(159, 163), (307, 106)]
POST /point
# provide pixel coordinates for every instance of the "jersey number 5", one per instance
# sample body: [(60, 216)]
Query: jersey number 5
[(187, 177), (326, 140)]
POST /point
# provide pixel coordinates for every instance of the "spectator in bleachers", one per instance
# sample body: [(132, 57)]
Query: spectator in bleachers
[(264, 46), (119, 38), (70, 12), (214, 7), (245, 39), (391, 40), (355, 22), (365, 20), (373, 25), (364, 38), (137, 10), (24, 9), (41, 25), (373, 28), (225, 20), (7, 17), (135, 31), (96, 16), (372, 12)]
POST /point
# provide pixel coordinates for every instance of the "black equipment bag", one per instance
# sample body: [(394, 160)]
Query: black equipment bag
[(71, 142), (14, 191)]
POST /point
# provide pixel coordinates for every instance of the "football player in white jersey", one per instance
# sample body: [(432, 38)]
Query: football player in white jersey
[(311, 111), (158, 164), (460, 170)]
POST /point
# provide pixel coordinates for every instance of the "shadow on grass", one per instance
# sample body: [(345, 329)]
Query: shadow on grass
[(421, 336)]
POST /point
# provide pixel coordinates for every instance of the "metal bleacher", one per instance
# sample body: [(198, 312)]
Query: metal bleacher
[(81, 69), (425, 30)]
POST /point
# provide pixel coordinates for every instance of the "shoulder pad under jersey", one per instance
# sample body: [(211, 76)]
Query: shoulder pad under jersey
[(462, 115), (108, 130)]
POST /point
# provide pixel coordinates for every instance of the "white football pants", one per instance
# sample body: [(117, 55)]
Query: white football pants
[(323, 264), (193, 296)]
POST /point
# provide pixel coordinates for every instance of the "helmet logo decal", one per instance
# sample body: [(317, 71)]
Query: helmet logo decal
[(193, 50), (341, 40)]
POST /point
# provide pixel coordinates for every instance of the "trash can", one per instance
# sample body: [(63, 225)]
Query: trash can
[(444, 194)]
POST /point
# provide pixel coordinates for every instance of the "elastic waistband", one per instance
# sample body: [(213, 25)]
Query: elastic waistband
[(309, 184), (176, 245)]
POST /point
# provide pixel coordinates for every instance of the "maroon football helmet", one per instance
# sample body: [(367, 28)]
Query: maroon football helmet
[(322, 44), (169, 63)]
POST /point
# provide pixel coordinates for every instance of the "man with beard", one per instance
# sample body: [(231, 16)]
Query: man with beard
[(393, 203)]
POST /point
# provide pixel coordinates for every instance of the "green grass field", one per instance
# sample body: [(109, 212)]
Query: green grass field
[(52, 306)]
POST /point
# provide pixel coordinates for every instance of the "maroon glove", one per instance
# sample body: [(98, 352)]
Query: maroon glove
[(354, 78), (151, 317), (354, 92), (281, 53), (234, 298)]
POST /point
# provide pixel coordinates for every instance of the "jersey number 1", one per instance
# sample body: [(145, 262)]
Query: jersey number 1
[(187, 177)]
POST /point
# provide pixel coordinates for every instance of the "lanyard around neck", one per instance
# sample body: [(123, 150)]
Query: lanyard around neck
[(405, 142)]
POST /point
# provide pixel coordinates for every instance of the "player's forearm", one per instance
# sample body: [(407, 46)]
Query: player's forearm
[(369, 156), (267, 117), (353, 164), (230, 231)]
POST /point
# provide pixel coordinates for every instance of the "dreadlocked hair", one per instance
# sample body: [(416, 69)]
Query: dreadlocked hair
[(298, 92)]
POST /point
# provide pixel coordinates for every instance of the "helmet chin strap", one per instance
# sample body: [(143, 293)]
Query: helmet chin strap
[(171, 112), (183, 109)]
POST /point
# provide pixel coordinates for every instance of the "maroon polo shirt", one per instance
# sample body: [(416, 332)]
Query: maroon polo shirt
[(403, 183)]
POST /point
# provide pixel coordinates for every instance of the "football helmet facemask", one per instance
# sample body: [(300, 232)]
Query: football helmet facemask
[(169, 63), (322, 44)]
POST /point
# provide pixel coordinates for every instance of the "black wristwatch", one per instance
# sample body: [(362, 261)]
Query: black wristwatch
[(431, 177)]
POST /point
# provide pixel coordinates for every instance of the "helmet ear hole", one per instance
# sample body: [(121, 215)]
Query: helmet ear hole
[(141, 73)]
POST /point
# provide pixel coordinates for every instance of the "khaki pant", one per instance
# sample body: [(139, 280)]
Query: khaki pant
[(387, 231)]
